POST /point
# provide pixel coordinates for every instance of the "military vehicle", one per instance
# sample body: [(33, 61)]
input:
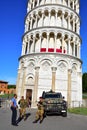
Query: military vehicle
[(54, 103)]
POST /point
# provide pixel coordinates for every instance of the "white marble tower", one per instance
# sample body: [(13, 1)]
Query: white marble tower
[(50, 57)]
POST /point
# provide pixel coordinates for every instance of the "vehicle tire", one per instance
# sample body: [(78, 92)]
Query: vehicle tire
[(64, 114)]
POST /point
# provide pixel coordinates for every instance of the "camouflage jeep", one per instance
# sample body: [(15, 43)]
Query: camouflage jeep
[(54, 103)]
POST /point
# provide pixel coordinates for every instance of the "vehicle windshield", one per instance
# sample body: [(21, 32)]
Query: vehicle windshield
[(58, 95)]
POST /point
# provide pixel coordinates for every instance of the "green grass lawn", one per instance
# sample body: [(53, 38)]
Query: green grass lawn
[(78, 110), (84, 96), (6, 96)]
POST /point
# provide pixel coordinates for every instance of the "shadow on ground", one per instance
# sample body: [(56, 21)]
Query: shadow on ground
[(20, 119)]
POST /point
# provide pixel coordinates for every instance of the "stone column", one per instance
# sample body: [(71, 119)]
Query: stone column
[(55, 42), (35, 91), (79, 87), (69, 21), (68, 3), (63, 2), (62, 43), (38, 3), (77, 10), (29, 7), (47, 42), (19, 84), (18, 79), (44, 1), (74, 48), (63, 19), (77, 26), (69, 89), (23, 81), (36, 20), (56, 18), (31, 22), (79, 50), (29, 25), (28, 47), (28, 44), (33, 4), (34, 44), (49, 17), (73, 23), (40, 42), (73, 4), (69, 45), (42, 18), (22, 53), (53, 78)]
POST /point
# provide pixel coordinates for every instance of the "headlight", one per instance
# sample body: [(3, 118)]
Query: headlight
[(49, 101)]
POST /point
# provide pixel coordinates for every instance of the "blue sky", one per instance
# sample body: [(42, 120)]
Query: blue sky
[(12, 15)]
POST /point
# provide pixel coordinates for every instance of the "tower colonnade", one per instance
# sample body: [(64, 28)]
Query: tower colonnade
[(52, 16), (73, 4), (51, 41)]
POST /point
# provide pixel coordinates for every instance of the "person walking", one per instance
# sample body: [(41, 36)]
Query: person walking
[(40, 111), (22, 111), (14, 110)]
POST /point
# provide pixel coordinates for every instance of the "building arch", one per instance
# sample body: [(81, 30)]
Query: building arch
[(44, 40), (46, 59), (30, 79), (52, 18), (51, 40), (31, 60)]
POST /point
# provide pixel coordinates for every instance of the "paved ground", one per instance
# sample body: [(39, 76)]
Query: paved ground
[(71, 122)]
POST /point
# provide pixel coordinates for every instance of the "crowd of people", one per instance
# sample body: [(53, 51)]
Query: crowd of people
[(22, 105)]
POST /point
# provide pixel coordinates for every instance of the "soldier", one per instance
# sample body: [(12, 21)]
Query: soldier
[(40, 111), (22, 111)]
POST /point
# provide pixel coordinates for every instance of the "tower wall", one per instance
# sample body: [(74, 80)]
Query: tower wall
[(50, 56)]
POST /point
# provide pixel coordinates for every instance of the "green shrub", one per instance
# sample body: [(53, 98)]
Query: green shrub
[(78, 110)]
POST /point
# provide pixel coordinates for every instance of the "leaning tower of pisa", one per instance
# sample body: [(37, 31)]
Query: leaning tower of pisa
[(50, 58)]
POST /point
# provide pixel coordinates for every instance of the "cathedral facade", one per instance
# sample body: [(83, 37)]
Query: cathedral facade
[(50, 58)]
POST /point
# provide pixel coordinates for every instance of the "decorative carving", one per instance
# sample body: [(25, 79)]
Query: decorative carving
[(46, 66), (30, 80), (22, 64), (37, 68), (74, 69), (54, 69), (62, 67), (31, 66), (69, 71)]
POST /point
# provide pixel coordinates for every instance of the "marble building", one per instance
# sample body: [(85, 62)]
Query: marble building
[(50, 57)]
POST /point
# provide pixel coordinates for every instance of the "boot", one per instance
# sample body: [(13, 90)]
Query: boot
[(35, 121), (41, 121)]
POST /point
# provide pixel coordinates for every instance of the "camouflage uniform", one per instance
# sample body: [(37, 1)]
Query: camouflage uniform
[(40, 111), (23, 105)]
